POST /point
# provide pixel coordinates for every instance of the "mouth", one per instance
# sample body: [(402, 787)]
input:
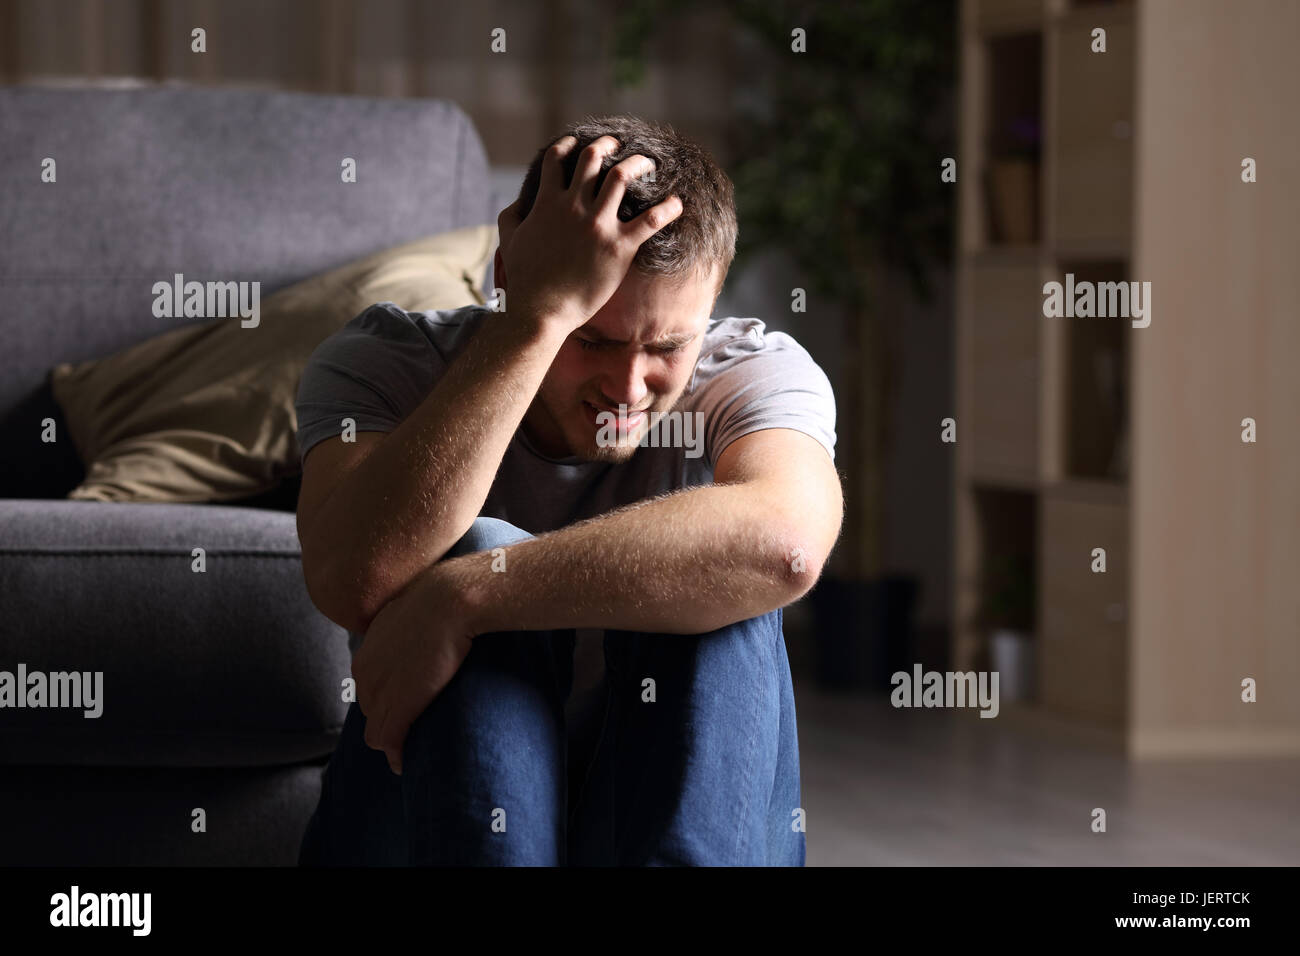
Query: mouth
[(625, 425)]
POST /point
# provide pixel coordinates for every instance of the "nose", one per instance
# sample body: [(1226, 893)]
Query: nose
[(622, 381)]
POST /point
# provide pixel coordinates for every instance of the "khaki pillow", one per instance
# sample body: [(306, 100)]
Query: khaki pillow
[(206, 412)]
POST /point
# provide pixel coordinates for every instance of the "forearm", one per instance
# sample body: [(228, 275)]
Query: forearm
[(419, 490), (685, 563)]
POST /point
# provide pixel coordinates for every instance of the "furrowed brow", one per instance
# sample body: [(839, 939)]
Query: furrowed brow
[(664, 342), (674, 341)]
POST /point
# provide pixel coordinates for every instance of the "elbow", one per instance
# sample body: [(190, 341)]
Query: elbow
[(336, 595), (804, 557), (803, 566), (808, 537), (350, 592)]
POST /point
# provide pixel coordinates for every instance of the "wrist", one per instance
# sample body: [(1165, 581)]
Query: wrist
[(560, 322), (529, 329), (543, 318), (457, 589)]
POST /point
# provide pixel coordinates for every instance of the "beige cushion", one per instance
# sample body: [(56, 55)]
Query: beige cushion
[(206, 412)]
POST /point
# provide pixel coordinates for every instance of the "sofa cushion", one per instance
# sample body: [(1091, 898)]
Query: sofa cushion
[(205, 412), (213, 183), (228, 666)]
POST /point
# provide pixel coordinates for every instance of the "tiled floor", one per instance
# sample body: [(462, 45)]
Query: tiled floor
[(887, 787)]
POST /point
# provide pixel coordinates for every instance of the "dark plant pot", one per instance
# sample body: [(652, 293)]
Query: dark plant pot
[(864, 631)]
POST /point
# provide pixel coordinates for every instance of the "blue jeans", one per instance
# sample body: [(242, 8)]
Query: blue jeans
[(705, 774)]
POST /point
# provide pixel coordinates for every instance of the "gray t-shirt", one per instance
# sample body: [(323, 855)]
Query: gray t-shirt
[(380, 366)]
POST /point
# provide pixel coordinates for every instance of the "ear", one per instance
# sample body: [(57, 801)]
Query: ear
[(507, 221), (499, 270)]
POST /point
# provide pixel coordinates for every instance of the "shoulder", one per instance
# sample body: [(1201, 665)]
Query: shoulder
[(442, 329), (748, 378), (734, 344), (387, 350)]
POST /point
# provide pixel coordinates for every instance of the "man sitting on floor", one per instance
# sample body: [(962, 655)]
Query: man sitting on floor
[(570, 598)]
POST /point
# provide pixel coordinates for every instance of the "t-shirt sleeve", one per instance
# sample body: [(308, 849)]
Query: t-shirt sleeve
[(759, 380), (375, 370)]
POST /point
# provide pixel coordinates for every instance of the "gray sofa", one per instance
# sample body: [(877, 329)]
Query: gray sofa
[(221, 690)]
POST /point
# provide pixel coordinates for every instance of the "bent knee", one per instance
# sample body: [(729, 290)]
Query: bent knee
[(485, 534)]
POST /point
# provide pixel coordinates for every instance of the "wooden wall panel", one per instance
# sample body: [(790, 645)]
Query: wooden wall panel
[(1005, 318), (1092, 188), (1216, 532)]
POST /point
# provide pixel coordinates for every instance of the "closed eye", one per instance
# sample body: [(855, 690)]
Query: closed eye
[(588, 345)]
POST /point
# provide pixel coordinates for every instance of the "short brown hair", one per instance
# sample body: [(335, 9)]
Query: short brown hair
[(702, 236)]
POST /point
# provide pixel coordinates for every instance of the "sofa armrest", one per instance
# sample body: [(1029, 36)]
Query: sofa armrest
[(230, 665)]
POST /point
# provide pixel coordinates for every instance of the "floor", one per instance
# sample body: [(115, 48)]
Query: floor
[(901, 787)]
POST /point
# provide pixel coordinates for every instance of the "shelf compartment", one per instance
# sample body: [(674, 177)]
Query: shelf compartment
[(1006, 580), (1012, 139), (1095, 387)]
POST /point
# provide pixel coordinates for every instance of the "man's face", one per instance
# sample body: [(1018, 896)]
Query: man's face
[(639, 350)]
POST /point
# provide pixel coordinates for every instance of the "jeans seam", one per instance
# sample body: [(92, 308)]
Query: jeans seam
[(748, 777), (778, 655), (564, 750)]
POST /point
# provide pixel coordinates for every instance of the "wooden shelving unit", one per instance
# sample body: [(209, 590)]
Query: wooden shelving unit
[(1069, 164), (1040, 463)]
